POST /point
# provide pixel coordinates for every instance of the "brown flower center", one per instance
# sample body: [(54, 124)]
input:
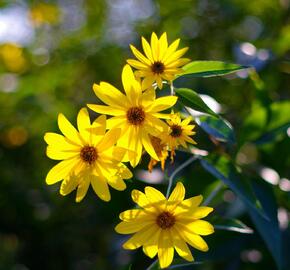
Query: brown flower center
[(89, 154), (176, 131), (165, 220), (135, 116), (157, 67)]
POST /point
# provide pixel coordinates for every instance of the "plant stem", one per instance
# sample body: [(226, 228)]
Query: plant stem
[(213, 193), (178, 169), (171, 89), (152, 265)]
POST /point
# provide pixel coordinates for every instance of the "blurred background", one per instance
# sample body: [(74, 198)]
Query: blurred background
[(51, 52)]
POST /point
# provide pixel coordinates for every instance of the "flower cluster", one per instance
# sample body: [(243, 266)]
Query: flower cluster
[(95, 153)]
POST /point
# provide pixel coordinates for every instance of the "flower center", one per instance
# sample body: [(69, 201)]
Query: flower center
[(157, 67), (165, 220), (89, 154), (135, 116), (176, 131)]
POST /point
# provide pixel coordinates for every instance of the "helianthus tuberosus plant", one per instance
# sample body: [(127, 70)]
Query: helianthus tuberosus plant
[(136, 122)]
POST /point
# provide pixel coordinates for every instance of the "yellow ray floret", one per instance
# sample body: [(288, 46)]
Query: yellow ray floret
[(162, 225), (177, 133), (159, 62), (136, 113), (88, 156)]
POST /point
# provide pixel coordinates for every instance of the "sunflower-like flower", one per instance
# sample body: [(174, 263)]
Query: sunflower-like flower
[(178, 133), (160, 62), (136, 113), (88, 157), (162, 225)]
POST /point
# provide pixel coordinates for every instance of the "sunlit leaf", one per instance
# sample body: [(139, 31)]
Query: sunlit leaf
[(219, 128), (209, 68), (191, 99)]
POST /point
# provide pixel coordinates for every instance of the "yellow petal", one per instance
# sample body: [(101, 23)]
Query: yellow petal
[(200, 227), (180, 245), (131, 86), (147, 49), (139, 198), (176, 196), (188, 204), (139, 238), (68, 130), (148, 145), (147, 82), (82, 188), (137, 64), (84, 124), (60, 142), (192, 239), (133, 214), (197, 213), (68, 185), (61, 170), (56, 154), (127, 227), (108, 110), (109, 139), (110, 95), (148, 97), (163, 45), (171, 49), (117, 183), (175, 56), (154, 196), (140, 56), (163, 103), (155, 47), (101, 188), (165, 249), (150, 247)]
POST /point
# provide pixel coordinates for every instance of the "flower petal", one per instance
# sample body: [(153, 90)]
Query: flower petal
[(83, 188), (176, 197), (117, 183), (133, 214), (188, 204), (155, 196), (171, 49), (108, 110), (192, 239), (140, 56), (137, 64), (101, 188), (165, 249), (109, 139), (61, 170), (56, 154), (84, 124), (200, 227), (127, 227), (155, 47), (163, 103), (68, 130), (139, 238), (139, 198), (60, 142), (147, 49), (148, 145), (180, 245), (150, 247)]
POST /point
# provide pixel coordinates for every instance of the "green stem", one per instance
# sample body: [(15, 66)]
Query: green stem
[(178, 169), (213, 193), (152, 265)]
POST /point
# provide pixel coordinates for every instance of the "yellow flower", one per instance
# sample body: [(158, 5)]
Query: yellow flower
[(88, 157), (162, 225), (177, 133), (160, 62), (161, 151), (136, 113)]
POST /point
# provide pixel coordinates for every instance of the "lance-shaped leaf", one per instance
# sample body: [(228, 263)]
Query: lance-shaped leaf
[(233, 225), (209, 69), (268, 228), (191, 99), (223, 169), (219, 128)]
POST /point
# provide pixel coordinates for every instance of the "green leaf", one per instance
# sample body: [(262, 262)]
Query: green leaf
[(223, 169), (231, 225), (268, 228), (219, 128), (190, 98), (209, 68)]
